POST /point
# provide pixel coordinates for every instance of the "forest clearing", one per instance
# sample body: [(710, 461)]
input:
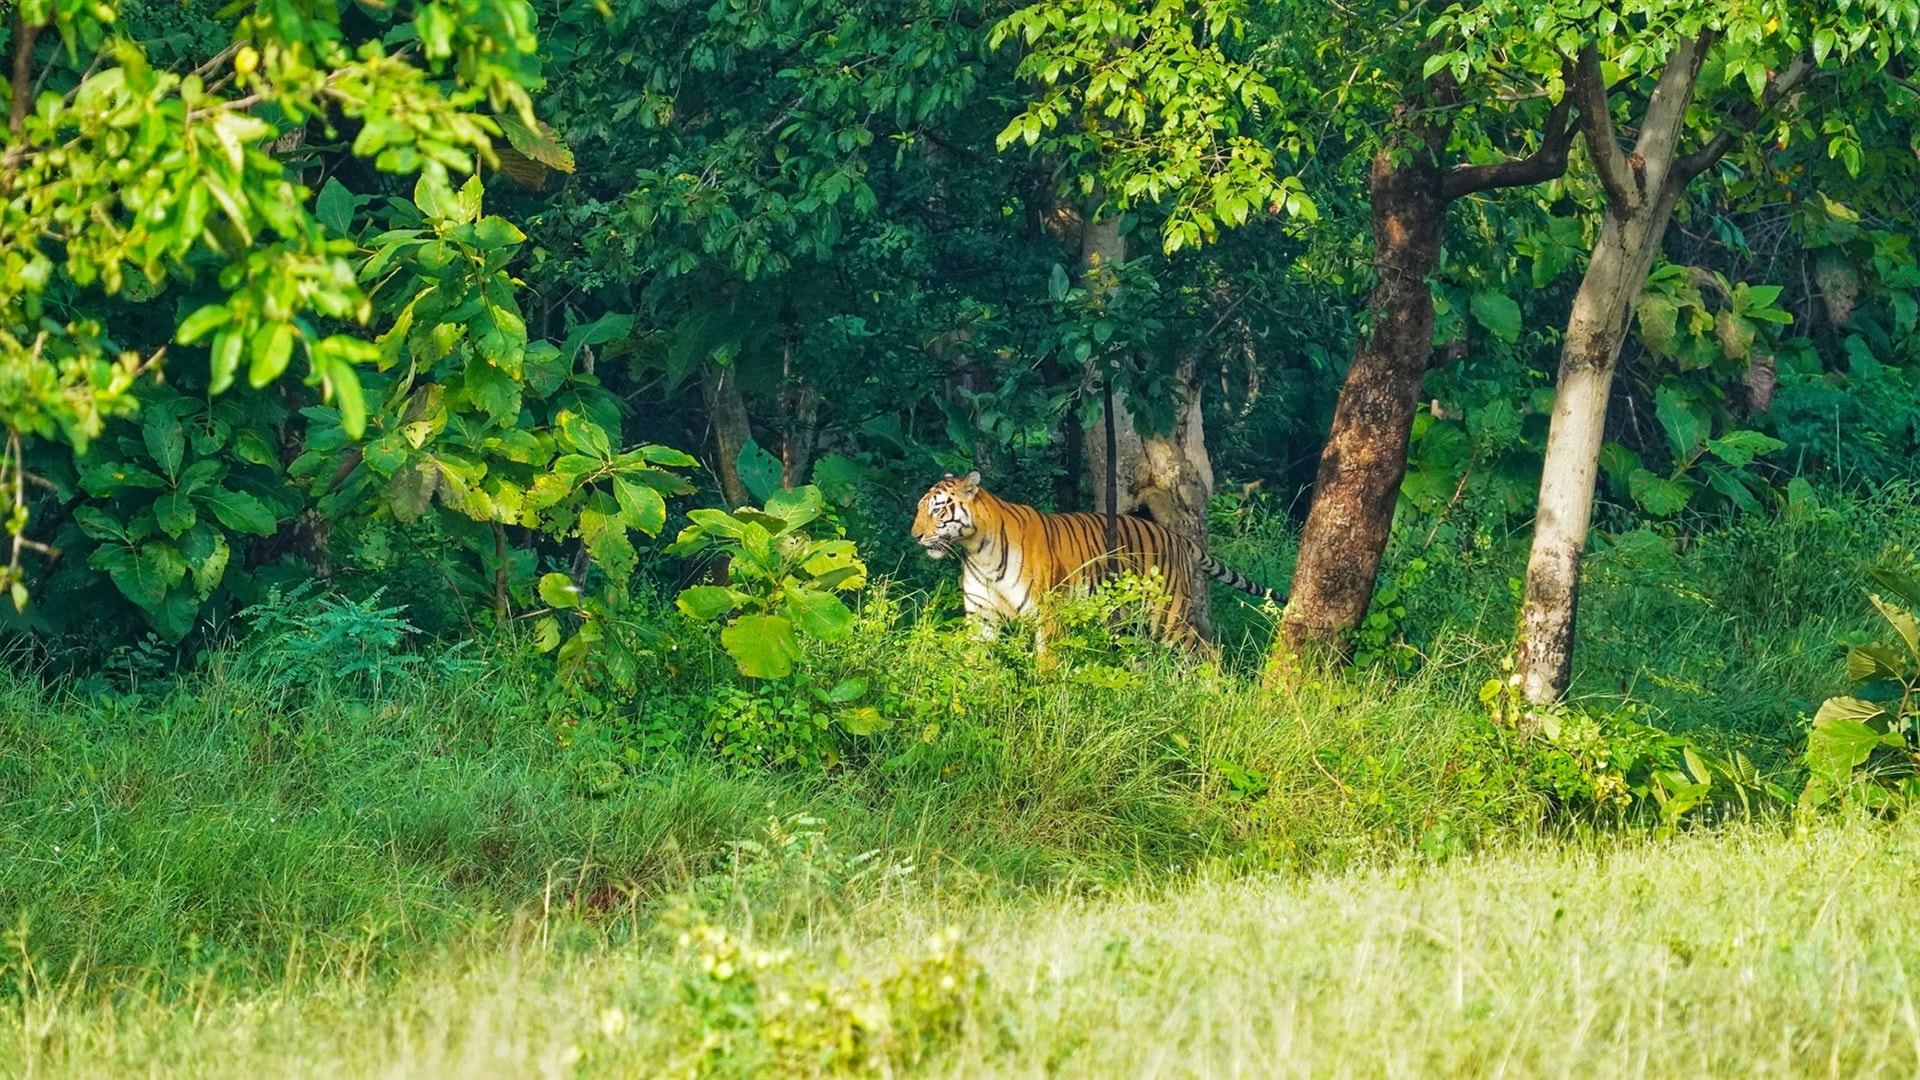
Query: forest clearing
[(957, 538)]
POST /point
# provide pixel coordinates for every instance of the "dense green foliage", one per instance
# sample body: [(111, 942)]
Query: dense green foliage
[(568, 602)]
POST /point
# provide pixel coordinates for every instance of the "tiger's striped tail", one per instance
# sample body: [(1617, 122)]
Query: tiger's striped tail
[(1234, 579)]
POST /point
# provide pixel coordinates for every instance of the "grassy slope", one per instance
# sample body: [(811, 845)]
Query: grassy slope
[(1742, 953), (244, 867)]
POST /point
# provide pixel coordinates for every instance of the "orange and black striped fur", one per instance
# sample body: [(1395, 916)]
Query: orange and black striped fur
[(1011, 556)]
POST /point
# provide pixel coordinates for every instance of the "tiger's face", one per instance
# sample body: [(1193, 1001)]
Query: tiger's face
[(944, 519)]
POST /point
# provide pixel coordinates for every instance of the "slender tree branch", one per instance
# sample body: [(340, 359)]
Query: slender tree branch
[(1546, 163), (1778, 87), (1596, 123), (1666, 117)]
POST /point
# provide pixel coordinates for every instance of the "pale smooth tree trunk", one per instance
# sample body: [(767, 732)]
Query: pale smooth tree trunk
[(1169, 475), (1641, 192)]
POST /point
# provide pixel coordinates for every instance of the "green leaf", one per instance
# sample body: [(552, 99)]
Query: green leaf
[(238, 510), (762, 645), (607, 544), (546, 634), (667, 456), (847, 690), (202, 322), (1841, 741), (334, 208), (584, 436), (644, 508), (207, 553), (1684, 427), (1737, 448), (820, 614), (272, 348), (387, 453), (759, 471), (862, 721), (543, 145), (1659, 321), (796, 508), (1903, 623), (557, 591), (174, 513), (709, 602), (99, 524), (1498, 313), (1658, 495), (166, 440), (1872, 662), (1905, 586)]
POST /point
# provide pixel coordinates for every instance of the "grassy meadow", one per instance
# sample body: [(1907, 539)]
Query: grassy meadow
[(1131, 864)]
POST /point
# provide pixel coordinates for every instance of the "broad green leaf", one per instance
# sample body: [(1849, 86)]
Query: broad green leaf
[(334, 208), (386, 454), (1659, 322), (862, 721), (584, 436), (207, 553), (99, 524), (1840, 742), (1903, 585), (607, 544), (820, 614), (1685, 429), (166, 440), (759, 471), (847, 690), (717, 521), (1872, 662), (1498, 313), (238, 510), (271, 349), (546, 634), (762, 645), (1902, 622), (557, 591), (202, 322), (1737, 448), (1658, 495), (796, 508), (667, 456), (174, 513), (643, 507), (709, 602)]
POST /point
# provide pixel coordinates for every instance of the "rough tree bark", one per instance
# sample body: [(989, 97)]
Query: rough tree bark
[(1168, 475), (720, 386), (1358, 484), (1642, 189)]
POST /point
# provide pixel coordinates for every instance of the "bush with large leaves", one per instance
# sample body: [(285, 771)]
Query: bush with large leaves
[(123, 180)]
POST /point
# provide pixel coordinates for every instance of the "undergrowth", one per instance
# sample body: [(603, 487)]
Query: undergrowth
[(332, 805)]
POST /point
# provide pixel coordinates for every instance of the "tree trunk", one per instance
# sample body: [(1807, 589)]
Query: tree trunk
[(1641, 191), (1596, 330), (720, 386), (802, 434), (1365, 458), (1168, 475)]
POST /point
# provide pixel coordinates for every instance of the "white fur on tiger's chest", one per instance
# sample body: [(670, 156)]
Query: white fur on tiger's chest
[(990, 583)]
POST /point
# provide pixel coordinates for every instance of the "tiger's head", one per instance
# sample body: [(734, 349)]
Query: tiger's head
[(945, 518)]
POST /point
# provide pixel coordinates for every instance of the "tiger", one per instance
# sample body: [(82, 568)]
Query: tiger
[(1012, 555)]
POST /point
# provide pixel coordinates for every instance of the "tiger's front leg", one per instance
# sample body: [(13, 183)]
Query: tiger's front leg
[(981, 616)]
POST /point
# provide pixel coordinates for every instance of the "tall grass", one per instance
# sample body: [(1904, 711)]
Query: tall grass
[(1158, 865)]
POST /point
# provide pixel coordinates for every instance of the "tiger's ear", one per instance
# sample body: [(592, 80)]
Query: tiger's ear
[(972, 482)]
